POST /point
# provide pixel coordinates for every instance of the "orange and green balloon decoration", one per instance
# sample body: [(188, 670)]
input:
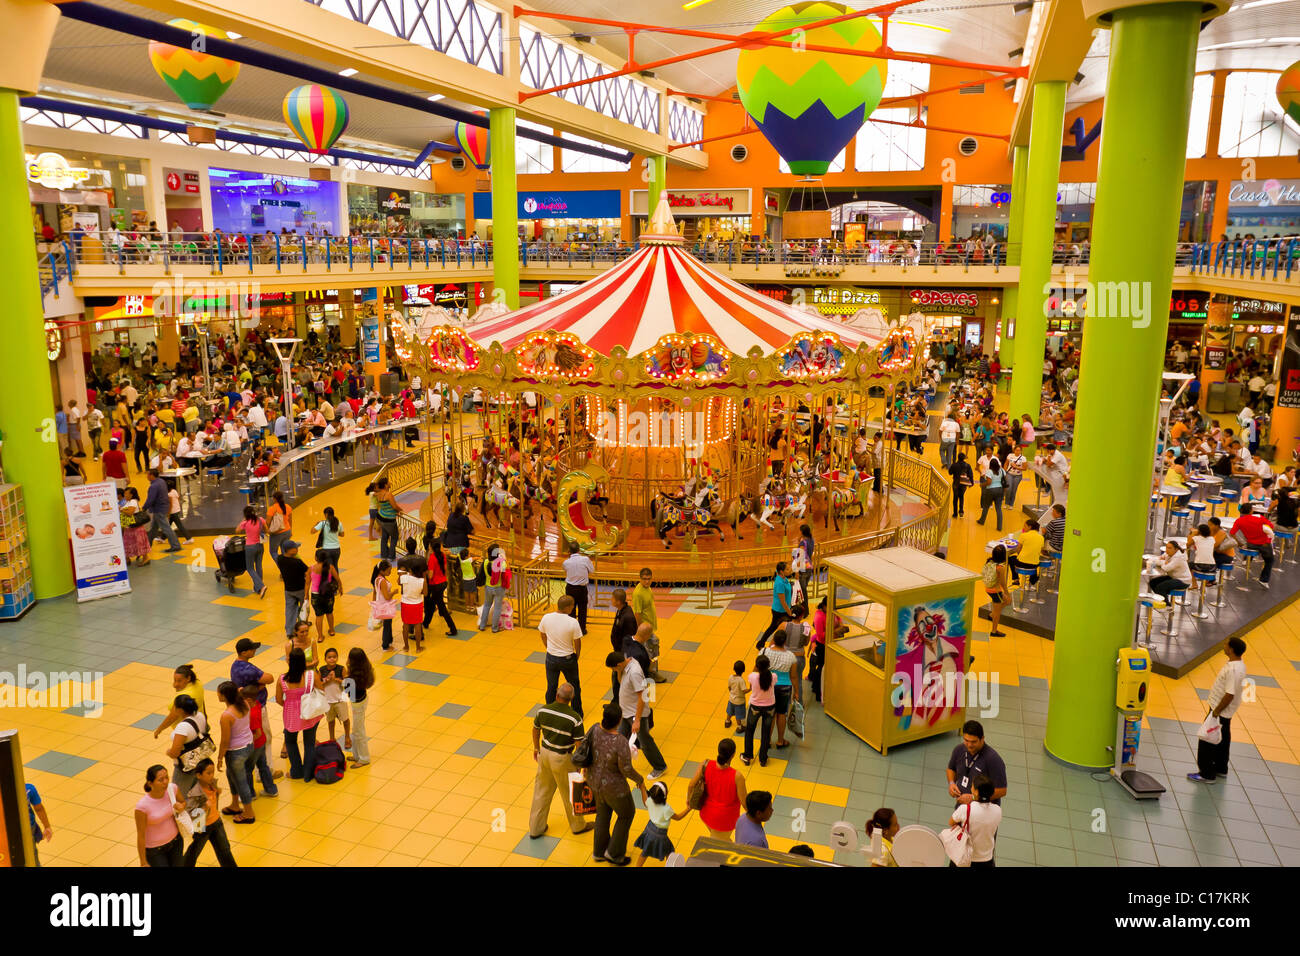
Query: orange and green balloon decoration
[(475, 144), (317, 115), (198, 78), (1288, 92)]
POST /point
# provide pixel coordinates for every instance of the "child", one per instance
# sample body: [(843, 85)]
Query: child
[(331, 675), (207, 790), (257, 724), (174, 515), (653, 841), (469, 582), (362, 676), (737, 687)]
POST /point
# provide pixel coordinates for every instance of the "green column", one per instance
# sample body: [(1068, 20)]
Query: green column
[(1015, 218), (658, 170), (31, 450), (1037, 229), (505, 205), (1139, 180)]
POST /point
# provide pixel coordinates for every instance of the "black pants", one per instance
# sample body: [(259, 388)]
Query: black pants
[(568, 667), (141, 455), (875, 480), (175, 519), (579, 594), (816, 661), (993, 497), (215, 833), (645, 743), (778, 618), (1163, 585), (766, 715), (1212, 759), (169, 854), (1032, 569), (1266, 556), (436, 601), (959, 499), (622, 809), (387, 639)]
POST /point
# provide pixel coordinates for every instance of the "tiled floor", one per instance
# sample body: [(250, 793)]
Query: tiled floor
[(451, 777)]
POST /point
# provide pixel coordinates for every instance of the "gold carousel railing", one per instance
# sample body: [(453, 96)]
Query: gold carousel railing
[(541, 578)]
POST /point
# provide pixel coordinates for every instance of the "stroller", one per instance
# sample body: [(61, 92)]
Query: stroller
[(229, 551)]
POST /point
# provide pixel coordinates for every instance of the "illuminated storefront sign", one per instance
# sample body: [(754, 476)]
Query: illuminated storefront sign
[(54, 172), (944, 301), (1270, 192), (700, 202)]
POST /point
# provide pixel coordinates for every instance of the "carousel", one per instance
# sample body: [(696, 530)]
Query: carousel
[(662, 405)]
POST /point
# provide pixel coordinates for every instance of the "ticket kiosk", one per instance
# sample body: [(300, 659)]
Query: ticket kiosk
[(898, 648)]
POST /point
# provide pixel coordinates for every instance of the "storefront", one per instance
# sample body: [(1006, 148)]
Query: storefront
[(182, 193), (250, 202), (70, 189), (379, 210), (1264, 208), (952, 315), (593, 215), (721, 215), (1197, 212)]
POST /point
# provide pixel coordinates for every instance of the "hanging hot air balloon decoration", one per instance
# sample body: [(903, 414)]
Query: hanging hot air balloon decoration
[(317, 115), (1288, 91), (809, 103), (474, 143), (198, 78)]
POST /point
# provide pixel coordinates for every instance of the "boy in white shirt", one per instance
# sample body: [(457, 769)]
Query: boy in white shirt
[(1225, 698)]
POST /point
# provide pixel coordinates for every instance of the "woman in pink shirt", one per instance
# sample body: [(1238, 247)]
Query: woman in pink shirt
[(157, 837), (762, 706), (252, 528), (298, 680)]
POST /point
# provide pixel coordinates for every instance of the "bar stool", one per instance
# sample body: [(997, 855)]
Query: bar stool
[(1250, 554), (216, 474), (1149, 603), (1214, 502), (1180, 515), (1053, 560), (1222, 573), (1151, 518), (1284, 537), (1172, 602), (1019, 595), (1204, 578), (1229, 495), (1044, 567), (1197, 508)]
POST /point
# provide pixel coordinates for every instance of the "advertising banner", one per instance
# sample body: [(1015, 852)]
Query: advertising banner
[(98, 554), (1288, 395)]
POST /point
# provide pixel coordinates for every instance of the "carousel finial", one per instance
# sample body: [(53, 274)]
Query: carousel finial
[(661, 228)]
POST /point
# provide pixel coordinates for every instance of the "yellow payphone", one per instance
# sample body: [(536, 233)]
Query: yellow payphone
[(1132, 687)]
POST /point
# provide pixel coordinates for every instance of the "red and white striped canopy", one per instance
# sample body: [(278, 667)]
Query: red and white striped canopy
[(659, 290)]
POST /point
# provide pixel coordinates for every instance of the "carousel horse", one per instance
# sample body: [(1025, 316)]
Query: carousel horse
[(459, 481), (736, 511), (669, 512), (496, 497), (777, 502)]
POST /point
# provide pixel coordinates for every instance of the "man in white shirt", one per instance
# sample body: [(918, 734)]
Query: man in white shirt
[(1262, 468), (1225, 698), (578, 572), (95, 426), (562, 639), (131, 396), (74, 429), (949, 432), (1256, 387), (256, 417), (638, 716)]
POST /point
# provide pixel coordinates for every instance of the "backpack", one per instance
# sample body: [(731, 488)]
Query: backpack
[(330, 762)]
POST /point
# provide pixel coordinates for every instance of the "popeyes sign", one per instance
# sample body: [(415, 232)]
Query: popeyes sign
[(944, 302)]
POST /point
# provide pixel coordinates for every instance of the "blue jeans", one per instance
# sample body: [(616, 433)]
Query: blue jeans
[(492, 605), (388, 539), (258, 760), (275, 542), (1012, 482), (253, 560), (302, 766), (239, 773), (293, 601), (160, 523), (947, 452)]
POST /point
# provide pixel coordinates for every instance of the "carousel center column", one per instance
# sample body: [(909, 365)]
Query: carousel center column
[(505, 208), (31, 451), (1037, 226), (1139, 180)]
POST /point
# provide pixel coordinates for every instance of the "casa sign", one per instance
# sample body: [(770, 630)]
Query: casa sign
[(1269, 192), (54, 172)]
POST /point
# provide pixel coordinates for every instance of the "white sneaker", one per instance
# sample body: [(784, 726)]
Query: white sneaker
[(656, 774)]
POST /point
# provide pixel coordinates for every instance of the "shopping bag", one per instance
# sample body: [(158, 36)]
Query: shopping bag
[(1211, 730), (956, 841), (795, 720), (581, 795)]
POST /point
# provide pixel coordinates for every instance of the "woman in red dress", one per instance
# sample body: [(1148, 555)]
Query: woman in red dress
[(724, 795)]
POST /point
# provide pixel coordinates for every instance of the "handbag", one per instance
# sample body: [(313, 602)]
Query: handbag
[(197, 749), (584, 755), (956, 841), (382, 610), (277, 523), (184, 822), (312, 704), (698, 792), (1211, 731)]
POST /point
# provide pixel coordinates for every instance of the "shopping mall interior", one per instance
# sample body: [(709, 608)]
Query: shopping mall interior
[(368, 363)]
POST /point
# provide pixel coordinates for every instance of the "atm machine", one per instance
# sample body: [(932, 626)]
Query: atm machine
[(1131, 686)]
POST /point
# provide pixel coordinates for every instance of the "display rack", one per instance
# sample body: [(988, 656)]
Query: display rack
[(16, 594)]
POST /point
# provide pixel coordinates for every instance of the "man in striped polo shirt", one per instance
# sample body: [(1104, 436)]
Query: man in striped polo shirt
[(556, 729)]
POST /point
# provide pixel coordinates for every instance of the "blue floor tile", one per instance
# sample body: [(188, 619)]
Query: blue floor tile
[(420, 677), (451, 711), (65, 765), (475, 748)]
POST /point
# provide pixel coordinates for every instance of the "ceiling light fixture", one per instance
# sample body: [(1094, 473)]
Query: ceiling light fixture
[(234, 36), (1009, 84), (348, 72), (693, 4), (1078, 78), (1018, 51), (436, 96), (1023, 7), (581, 38)]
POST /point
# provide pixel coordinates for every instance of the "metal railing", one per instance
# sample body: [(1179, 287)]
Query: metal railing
[(53, 256), (1268, 259), (541, 578)]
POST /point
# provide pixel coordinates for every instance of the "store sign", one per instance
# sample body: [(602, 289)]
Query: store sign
[(53, 340), (395, 202), (126, 307), (54, 172), (1256, 310), (1216, 357), (702, 202), (944, 302), (181, 182), (1288, 395), (841, 295), (1271, 192), (1187, 304), (576, 204), (700, 199), (772, 204)]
